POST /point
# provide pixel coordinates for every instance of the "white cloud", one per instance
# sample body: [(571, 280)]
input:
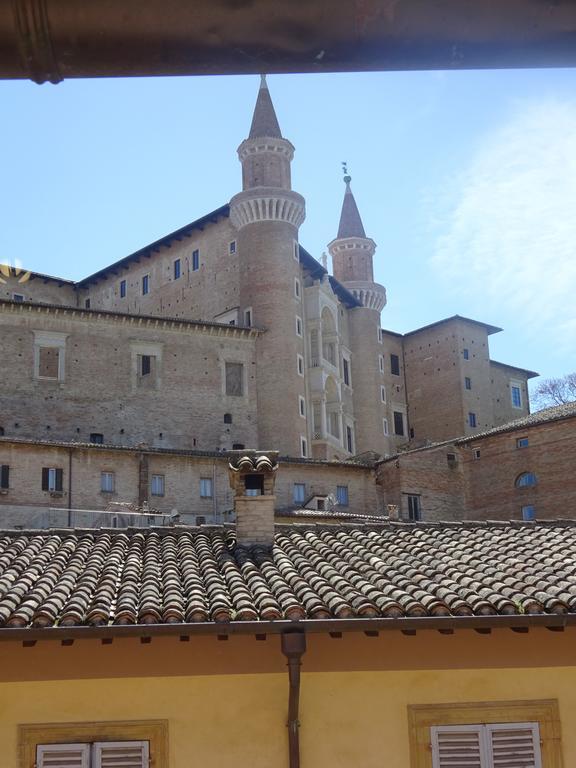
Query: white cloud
[(508, 231)]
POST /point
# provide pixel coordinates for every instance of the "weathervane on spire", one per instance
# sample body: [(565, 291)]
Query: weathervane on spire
[(347, 178)]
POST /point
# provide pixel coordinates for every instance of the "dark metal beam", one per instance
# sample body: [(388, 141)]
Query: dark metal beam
[(48, 40)]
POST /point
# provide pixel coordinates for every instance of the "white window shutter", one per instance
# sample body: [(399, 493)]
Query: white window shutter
[(514, 745), (121, 754), (63, 756), (457, 746)]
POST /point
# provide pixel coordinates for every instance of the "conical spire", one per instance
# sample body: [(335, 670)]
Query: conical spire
[(350, 221), (264, 121)]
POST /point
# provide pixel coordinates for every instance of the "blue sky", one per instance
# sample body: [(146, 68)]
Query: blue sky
[(465, 180)]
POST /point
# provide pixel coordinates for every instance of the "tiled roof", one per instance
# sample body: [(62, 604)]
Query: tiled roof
[(557, 412), (395, 570)]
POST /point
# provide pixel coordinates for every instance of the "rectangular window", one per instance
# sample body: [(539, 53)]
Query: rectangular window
[(96, 755), (234, 379), (383, 394), (349, 440), (299, 493), (49, 363), (145, 284), (144, 365), (122, 289), (157, 485), (477, 453), (302, 406), (342, 495), (414, 508), (87, 303), (385, 426), (300, 366), (232, 247), (195, 261), (19, 297), (52, 479), (528, 512), (296, 288), (380, 335), (486, 746), (516, 394), (303, 447), (472, 419), (346, 371), (96, 437), (4, 476), (248, 317), (465, 354), (468, 382), (296, 251), (177, 269), (381, 363), (395, 365), (107, 484), (398, 423), (298, 326), (205, 487), (522, 442)]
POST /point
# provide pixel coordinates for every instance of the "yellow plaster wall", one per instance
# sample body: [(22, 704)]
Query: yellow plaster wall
[(348, 718)]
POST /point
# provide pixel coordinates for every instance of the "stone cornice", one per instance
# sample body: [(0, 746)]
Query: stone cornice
[(142, 321), (267, 204)]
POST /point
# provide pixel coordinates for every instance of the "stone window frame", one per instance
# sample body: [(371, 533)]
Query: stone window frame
[(18, 297), (299, 326), (545, 712), (304, 447), (151, 349), (381, 363), (299, 360), (385, 426), (244, 365), (155, 732), (52, 339), (382, 393), (297, 289), (296, 251), (302, 406)]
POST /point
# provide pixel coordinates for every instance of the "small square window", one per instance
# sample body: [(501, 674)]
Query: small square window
[(465, 354), (107, 482), (477, 453), (157, 485), (19, 297), (96, 437), (299, 493), (232, 247), (195, 260), (122, 289), (177, 269), (395, 365), (205, 487), (300, 366), (302, 406), (472, 419), (145, 284), (298, 326), (342, 495), (522, 442), (468, 382)]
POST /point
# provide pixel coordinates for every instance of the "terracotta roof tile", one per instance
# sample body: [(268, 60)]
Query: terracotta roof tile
[(175, 575)]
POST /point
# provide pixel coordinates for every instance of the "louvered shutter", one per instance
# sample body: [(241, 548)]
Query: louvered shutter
[(45, 478), (457, 746), (121, 754), (5, 476), (59, 478), (63, 756), (514, 745)]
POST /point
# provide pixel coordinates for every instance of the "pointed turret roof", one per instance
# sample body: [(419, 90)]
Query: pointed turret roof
[(264, 120), (350, 221)]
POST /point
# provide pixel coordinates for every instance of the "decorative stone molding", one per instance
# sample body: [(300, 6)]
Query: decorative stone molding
[(370, 295), (266, 145), (267, 204), (352, 244)]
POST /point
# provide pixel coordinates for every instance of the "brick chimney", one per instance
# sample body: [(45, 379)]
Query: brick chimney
[(252, 477)]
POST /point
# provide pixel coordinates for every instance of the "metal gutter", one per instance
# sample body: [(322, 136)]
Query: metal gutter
[(445, 624)]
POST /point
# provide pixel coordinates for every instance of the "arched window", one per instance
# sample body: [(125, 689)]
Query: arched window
[(227, 418), (526, 479)]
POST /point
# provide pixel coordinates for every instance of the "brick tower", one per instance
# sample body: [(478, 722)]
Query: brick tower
[(352, 254), (267, 214)]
